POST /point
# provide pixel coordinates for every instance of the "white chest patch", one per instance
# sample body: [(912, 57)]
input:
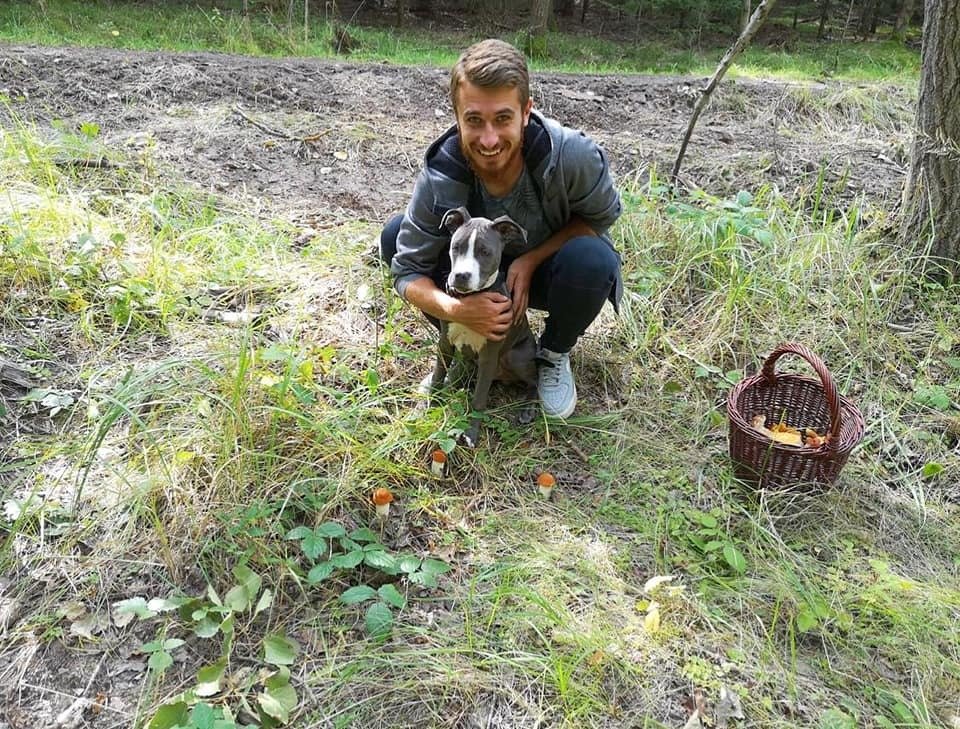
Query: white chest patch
[(461, 336)]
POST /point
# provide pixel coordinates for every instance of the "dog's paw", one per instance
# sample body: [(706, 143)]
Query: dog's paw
[(527, 414), (470, 437)]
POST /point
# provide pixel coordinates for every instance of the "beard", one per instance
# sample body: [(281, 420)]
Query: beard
[(469, 156)]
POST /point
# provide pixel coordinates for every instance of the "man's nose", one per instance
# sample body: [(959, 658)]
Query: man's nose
[(489, 138)]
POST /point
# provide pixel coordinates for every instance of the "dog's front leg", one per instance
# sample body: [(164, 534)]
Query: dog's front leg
[(444, 358), (487, 362)]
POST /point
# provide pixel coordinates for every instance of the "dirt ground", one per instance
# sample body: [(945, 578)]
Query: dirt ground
[(321, 142), (327, 140)]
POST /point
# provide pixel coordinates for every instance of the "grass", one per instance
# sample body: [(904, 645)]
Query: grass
[(175, 26), (186, 450), (173, 449)]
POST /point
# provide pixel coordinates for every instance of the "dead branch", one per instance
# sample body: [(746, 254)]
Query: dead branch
[(309, 138), (263, 127), (94, 163), (756, 20)]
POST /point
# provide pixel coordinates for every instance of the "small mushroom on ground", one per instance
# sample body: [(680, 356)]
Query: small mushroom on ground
[(546, 482), (381, 499), (438, 463)]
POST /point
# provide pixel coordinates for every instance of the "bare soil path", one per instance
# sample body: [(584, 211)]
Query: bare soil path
[(322, 138)]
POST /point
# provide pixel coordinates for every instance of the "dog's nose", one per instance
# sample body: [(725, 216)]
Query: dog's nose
[(461, 279)]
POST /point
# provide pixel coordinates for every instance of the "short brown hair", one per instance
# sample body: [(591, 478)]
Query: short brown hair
[(491, 64)]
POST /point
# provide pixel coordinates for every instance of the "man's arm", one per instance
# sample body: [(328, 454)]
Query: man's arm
[(488, 313), (522, 269), (420, 244)]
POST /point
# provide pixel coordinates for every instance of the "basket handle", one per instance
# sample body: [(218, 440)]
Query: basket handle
[(829, 386)]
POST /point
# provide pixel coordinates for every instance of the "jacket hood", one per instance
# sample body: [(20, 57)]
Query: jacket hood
[(541, 143)]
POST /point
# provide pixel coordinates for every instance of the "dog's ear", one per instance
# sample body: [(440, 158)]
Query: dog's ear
[(453, 219), (514, 237)]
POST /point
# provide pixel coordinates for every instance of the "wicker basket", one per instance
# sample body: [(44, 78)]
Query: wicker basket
[(802, 402)]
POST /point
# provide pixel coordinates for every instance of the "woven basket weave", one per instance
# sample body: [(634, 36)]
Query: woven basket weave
[(801, 402)]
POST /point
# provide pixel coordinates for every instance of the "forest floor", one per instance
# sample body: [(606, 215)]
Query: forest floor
[(321, 144)]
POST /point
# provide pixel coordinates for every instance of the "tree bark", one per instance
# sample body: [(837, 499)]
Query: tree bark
[(540, 12), (756, 21), (904, 13), (824, 15), (931, 200), (868, 15), (744, 15)]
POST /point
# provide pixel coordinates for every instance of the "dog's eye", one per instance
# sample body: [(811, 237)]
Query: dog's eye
[(484, 251)]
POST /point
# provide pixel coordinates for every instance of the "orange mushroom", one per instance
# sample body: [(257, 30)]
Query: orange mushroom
[(381, 499), (438, 462), (546, 482)]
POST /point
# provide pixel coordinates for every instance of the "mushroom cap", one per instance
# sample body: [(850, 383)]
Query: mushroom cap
[(546, 480), (382, 496), (439, 456)]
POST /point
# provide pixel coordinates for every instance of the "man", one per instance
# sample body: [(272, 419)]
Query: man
[(503, 158)]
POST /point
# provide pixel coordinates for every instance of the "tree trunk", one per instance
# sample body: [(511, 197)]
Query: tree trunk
[(583, 11), (868, 18), (849, 25), (744, 15), (931, 198), (904, 13), (824, 14), (540, 13)]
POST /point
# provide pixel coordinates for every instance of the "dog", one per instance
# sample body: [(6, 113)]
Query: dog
[(476, 248)]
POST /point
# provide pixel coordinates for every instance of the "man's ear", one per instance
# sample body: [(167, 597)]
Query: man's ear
[(526, 112), (514, 237), (453, 219)]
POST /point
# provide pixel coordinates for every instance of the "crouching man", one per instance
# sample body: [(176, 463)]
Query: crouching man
[(502, 157)]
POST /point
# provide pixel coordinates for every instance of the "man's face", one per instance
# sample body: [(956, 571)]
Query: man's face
[(491, 122)]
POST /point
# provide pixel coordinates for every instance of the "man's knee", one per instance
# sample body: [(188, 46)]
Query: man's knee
[(388, 238), (587, 261)]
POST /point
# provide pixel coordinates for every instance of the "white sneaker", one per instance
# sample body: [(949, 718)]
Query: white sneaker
[(558, 391)]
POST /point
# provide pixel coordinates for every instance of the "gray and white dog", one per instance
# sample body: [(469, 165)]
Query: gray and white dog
[(476, 247)]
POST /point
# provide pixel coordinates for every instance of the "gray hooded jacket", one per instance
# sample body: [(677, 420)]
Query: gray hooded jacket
[(569, 169)]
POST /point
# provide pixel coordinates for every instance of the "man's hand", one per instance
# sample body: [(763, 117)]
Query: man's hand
[(519, 276), (487, 313)]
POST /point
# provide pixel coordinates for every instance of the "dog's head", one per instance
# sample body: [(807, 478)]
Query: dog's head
[(476, 247)]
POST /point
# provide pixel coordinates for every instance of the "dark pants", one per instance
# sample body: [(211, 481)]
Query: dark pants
[(570, 286)]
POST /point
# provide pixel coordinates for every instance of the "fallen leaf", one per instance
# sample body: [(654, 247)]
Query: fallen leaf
[(654, 583), (596, 658), (86, 626), (651, 622), (73, 610), (728, 708), (341, 155)]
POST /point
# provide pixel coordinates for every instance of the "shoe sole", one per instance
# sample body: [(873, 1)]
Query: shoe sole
[(567, 412)]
